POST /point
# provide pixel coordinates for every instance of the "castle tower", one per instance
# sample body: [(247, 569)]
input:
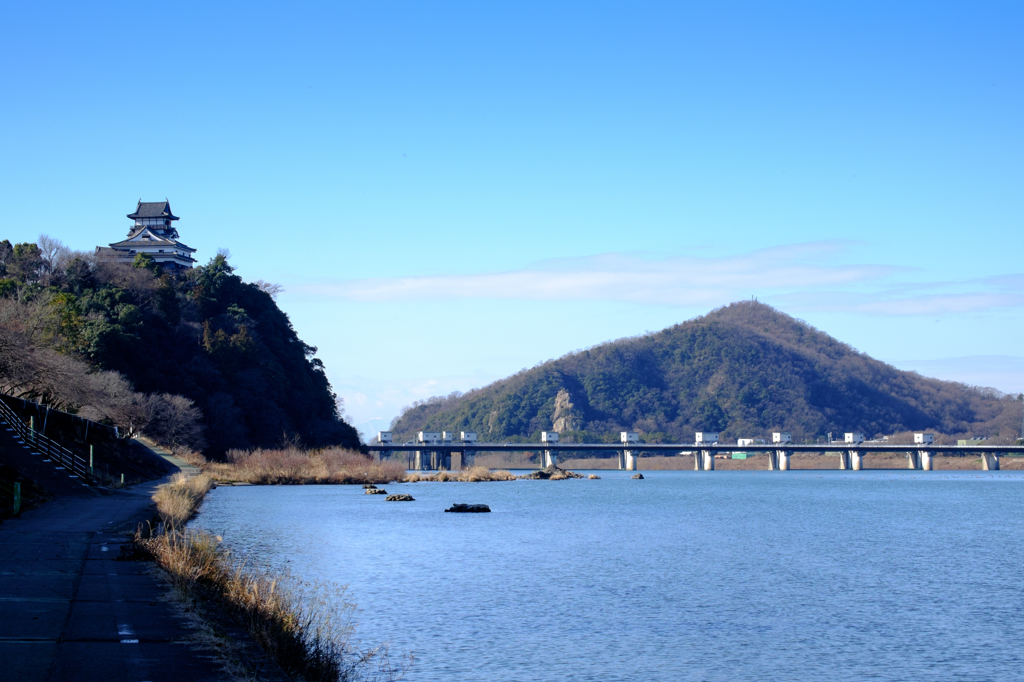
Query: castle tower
[(153, 233)]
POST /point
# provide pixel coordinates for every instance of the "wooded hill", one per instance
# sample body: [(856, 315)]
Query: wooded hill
[(199, 359), (744, 370)]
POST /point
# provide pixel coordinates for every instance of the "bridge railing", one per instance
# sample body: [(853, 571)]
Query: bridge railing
[(63, 457)]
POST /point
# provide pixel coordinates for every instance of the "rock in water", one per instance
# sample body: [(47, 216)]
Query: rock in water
[(399, 498), (469, 508), (376, 491), (368, 486), (639, 476), (594, 477), (552, 473)]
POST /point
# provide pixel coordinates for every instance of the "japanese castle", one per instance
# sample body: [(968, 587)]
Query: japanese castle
[(154, 234)]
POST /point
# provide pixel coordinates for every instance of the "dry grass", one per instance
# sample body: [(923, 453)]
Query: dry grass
[(178, 500), (191, 456), (474, 474), (306, 628), (294, 466)]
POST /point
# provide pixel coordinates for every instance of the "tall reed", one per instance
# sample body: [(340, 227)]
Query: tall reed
[(292, 465), (178, 500), (306, 628)]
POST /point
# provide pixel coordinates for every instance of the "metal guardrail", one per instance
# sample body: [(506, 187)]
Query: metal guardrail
[(57, 453)]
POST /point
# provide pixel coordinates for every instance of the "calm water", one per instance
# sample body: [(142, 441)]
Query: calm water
[(794, 575)]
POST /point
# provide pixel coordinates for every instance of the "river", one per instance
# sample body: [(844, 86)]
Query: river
[(729, 575)]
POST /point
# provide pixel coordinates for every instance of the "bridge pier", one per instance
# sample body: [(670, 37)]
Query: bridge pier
[(927, 460), (857, 459), (783, 459), (990, 461), (622, 460), (550, 459), (912, 460), (708, 459), (773, 460), (632, 459), (844, 460)]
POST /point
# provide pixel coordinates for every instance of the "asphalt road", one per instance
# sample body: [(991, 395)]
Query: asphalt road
[(69, 611)]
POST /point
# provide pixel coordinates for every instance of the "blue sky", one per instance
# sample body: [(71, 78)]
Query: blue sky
[(450, 192)]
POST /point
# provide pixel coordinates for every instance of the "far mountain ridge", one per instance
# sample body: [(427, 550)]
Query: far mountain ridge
[(743, 370)]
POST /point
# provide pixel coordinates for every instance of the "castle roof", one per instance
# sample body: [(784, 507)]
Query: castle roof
[(153, 209), (146, 237)]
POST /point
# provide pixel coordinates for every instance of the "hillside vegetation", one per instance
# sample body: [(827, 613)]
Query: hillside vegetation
[(744, 370), (199, 359)]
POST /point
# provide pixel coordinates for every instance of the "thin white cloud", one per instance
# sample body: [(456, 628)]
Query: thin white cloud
[(884, 303), (800, 277), (680, 280)]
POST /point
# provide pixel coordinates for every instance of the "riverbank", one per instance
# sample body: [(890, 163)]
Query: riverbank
[(305, 630)]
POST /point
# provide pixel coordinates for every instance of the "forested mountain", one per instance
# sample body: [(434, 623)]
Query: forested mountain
[(198, 358), (744, 370)]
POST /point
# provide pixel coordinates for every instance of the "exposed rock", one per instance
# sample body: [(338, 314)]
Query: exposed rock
[(638, 476), (469, 508), (594, 477), (564, 419), (376, 491), (368, 486), (399, 498), (552, 473)]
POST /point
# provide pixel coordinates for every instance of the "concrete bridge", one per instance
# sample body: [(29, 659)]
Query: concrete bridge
[(444, 451)]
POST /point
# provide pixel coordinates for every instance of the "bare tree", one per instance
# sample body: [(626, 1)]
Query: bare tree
[(55, 256), (139, 282), (269, 288), (174, 421)]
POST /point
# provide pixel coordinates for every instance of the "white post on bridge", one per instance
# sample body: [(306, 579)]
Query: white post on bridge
[(423, 457), (856, 456), (782, 456), (784, 459), (990, 461), (550, 458), (927, 460), (629, 458), (707, 457), (385, 438), (916, 459), (444, 457), (468, 457)]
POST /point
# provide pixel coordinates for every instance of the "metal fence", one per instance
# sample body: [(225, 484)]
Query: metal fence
[(40, 444)]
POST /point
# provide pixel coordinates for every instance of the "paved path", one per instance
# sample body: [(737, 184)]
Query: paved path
[(69, 611)]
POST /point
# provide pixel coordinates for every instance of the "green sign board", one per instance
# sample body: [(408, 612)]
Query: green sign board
[(739, 455)]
